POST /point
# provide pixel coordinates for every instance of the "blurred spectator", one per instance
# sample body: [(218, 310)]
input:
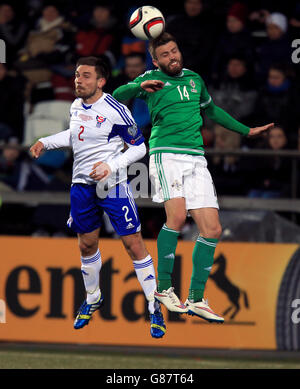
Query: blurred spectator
[(271, 175), (12, 31), (226, 170), (195, 32), (278, 101), (235, 92), (11, 105), (235, 41), (49, 44), (276, 48), (130, 44), (99, 36), (135, 65), (17, 170)]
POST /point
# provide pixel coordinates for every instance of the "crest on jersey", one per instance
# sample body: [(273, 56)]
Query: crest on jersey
[(193, 85), (132, 130), (99, 120)]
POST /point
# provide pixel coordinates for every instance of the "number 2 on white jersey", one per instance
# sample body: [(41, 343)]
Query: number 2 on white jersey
[(185, 92), (80, 133)]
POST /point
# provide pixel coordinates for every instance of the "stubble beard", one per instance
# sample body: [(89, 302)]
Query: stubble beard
[(172, 71), (84, 95)]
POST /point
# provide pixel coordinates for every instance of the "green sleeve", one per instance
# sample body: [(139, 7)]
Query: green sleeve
[(131, 90), (221, 117), (205, 98), (128, 91)]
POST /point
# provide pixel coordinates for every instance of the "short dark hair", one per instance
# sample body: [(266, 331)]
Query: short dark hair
[(101, 66), (136, 54), (161, 40), (280, 67)]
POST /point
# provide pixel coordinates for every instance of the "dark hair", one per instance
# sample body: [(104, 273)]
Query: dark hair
[(101, 66), (282, 68), (161, 40), (135, 54), (238, 56)]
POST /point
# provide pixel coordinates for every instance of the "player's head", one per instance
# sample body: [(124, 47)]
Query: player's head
[(166, 54), (91, 75)]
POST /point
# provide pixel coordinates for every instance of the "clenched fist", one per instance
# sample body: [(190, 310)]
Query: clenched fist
[(100, 172), (36, 149)]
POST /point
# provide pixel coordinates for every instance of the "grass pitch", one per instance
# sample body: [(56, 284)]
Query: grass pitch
[(47, 358)]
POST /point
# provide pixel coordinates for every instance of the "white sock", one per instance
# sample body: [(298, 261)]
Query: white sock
[(90, 268), (146, 275)]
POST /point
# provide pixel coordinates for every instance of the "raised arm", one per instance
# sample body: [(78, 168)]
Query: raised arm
[(136, 89)]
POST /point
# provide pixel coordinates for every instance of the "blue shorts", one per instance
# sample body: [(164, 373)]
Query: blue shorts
[(87, 209)]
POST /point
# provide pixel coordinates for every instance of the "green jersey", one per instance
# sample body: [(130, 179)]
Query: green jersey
[(175, 110)]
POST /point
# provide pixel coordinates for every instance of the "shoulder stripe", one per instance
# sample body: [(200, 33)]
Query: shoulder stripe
[(120, 108), (120, 112)]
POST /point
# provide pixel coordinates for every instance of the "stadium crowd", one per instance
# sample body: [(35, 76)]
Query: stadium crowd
[(243, 50)]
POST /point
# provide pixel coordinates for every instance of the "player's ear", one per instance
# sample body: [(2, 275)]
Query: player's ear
[(155, 63), (101, 82)]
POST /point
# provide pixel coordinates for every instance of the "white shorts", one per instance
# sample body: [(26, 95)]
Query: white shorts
[(182, 175)]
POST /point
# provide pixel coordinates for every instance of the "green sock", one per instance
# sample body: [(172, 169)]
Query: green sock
[(203, 258), (166, 247)]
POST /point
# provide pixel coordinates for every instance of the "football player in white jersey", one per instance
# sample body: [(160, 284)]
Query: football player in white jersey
[(99, 127)]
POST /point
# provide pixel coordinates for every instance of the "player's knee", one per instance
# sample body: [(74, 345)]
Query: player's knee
[(218, 232), (214, 232), (176, 222), (135, 246), (211, 231)]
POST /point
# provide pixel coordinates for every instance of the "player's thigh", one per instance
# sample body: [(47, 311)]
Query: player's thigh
[(85, 214), (207, 221), (167, 172), (88, 242), (135, 246), (199, 187)]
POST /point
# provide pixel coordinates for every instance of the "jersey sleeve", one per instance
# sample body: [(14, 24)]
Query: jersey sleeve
[(132, 89), (56, 141), (205, 98), (125, 127)]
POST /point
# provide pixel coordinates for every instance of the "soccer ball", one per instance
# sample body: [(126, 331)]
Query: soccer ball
[(147, 22)]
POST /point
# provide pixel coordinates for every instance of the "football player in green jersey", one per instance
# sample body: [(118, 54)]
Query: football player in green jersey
[(176, 98)]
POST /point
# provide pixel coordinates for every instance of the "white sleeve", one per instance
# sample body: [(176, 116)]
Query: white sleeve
[(56, 141), (131, 155)]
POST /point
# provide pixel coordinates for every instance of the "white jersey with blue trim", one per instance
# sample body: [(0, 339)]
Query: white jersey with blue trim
[(97, 133)]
